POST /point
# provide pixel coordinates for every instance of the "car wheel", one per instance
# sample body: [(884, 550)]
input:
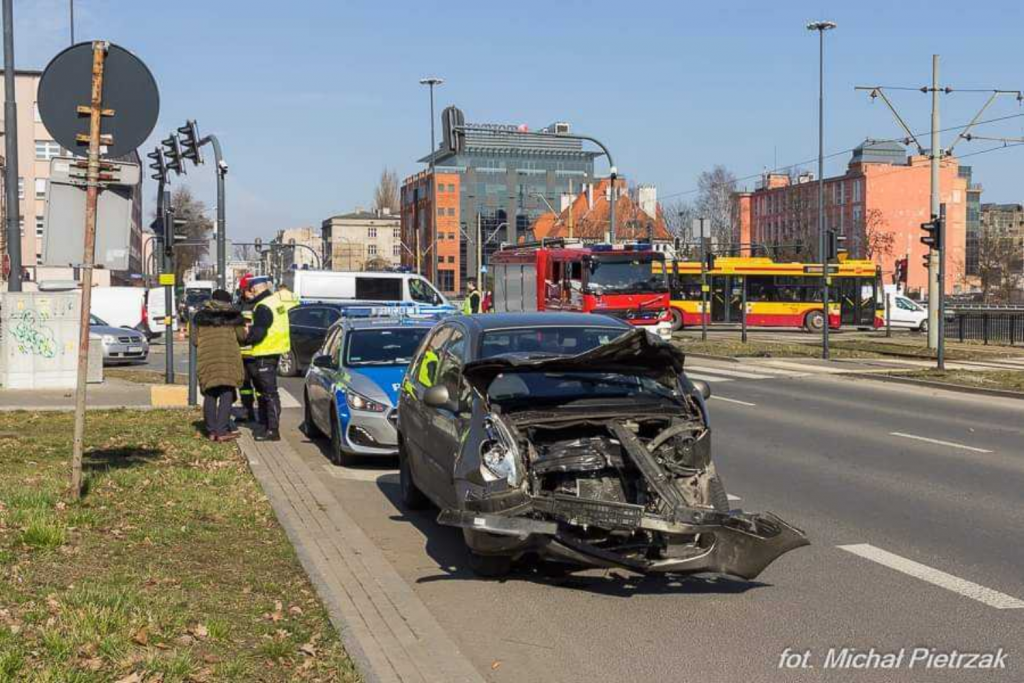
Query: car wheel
[(412, 497), (924, 326), (308, 426), (814, 321), (338, 455), (288, 366), (490, 566), (677, 319)]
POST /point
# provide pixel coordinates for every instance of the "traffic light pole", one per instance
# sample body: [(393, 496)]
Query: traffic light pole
[(13, 227), (934, 303), (940, 328), (222, 248), (167, 222), (703, 287)]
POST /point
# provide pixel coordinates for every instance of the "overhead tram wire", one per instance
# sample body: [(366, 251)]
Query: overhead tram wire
[(832, 155)]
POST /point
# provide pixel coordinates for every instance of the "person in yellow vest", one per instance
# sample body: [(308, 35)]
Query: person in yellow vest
[(246, 393), (471, 304), (270, 337)]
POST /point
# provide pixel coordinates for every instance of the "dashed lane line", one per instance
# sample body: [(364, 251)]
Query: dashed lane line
[(733, 400), (936, 577), (939, 442)]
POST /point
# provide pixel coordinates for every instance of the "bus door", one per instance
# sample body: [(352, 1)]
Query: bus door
[(856, 297), (726, 299)]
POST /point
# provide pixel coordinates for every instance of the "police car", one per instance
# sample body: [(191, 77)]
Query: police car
[(351, 389)]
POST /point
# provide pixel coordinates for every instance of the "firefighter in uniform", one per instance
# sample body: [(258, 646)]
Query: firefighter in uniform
[(269, 336)]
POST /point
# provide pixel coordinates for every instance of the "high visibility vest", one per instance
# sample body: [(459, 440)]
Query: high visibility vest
[(467, 303), (247, 350), (278, 340)]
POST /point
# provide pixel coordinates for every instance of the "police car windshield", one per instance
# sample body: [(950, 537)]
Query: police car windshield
[(394, 346)]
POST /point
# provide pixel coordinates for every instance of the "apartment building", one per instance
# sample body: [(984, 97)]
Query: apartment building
[(361, 240)]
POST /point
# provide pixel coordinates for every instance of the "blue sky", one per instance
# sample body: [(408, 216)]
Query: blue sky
[(312, 98)]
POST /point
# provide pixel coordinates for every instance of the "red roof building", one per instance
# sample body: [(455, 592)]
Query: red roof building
[(587, 216)]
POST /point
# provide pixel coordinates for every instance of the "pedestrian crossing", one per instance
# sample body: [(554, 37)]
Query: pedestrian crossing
[(287, 400), (715, 373)]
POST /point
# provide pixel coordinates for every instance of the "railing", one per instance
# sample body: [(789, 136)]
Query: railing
[(988, 327)]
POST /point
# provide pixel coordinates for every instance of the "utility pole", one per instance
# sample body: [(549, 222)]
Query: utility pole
[(11, 151), (934, 301), (430, 82)]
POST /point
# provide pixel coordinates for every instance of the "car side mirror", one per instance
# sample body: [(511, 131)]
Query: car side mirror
[(324, 360), (702, 387), (437, 397)]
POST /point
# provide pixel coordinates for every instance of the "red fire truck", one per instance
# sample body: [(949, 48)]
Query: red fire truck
[(566, 275)]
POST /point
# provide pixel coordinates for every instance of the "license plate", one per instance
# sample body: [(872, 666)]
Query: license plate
[(134, 349)]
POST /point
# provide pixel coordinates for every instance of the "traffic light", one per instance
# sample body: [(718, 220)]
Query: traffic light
[(172, 235), (159, 165), (172, 153), (900, 274), (933, 233), (190, 142), (926, 260)]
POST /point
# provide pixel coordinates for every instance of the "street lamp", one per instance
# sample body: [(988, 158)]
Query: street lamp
[(430, 82), (821, 27)]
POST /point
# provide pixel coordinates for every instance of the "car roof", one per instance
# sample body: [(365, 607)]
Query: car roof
[(492, 321), (385, 323)]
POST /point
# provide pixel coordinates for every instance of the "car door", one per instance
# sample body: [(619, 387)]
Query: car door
[(320, 382), (308, 327), (412, 414), (444, 425)]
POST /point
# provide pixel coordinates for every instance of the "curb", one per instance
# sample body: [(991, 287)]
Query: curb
[(708, 356), (88, 408), (959, 388)]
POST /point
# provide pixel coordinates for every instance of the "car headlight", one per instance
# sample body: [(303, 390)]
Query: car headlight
[(499, 453), (359, 402), (109, 339)]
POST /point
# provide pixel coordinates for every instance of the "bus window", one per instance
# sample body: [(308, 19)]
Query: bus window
[(686, 287)]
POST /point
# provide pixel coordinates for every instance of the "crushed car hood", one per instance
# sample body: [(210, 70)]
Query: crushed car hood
[(634, 353)]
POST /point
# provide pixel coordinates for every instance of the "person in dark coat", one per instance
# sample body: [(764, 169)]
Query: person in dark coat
[(220, 329)]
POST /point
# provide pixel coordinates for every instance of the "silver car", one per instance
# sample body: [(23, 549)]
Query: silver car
[(120, 344)]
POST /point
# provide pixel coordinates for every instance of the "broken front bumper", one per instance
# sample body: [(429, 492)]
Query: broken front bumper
[(738, 544)]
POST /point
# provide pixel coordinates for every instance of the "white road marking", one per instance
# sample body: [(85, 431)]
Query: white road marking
[(707, 378), (729, 373), (733, 400), (732, 497), (287, 400), (939, 442), (936, 577)]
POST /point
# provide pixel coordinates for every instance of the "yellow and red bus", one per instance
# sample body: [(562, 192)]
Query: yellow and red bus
[(777, 294)]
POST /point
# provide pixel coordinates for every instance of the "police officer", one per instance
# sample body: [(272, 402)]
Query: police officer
[(246, 392), (270, 337), (471, 304)]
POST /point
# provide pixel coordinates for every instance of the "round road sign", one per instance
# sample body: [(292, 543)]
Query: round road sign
[(128, 89)]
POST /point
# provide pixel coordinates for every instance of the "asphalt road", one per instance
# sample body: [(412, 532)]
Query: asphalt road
[(881, 477)]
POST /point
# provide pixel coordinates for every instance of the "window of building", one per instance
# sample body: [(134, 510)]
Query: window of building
[(446, 280), (451, 235), (21, 188), (396, 250), (40, 188), (451, 259), (957, 196), (451, 187), (39, 259), (398, 234), (440, 259), (371, 233), (40, 223), (857, 215), (857, 191), (841, 192), (440, 211), (371, 249), (451, 210), (46, 150)]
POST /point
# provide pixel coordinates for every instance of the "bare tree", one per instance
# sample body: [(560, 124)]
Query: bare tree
[(715, 202), (385, 196), (196, 230), (1000, 264), (879, 241)]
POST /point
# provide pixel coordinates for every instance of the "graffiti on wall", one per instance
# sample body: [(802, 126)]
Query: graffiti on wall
[(32, 335)]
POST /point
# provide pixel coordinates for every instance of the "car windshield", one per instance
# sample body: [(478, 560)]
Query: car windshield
[(394, 346), (533, 387), (624, 275), (546, 341), (93, 320), (422, 292)]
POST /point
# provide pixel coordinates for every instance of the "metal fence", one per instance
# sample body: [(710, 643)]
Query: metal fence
[(989, 327)]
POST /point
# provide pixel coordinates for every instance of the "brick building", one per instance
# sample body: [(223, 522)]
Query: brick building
[(879, 204), (587, 216)]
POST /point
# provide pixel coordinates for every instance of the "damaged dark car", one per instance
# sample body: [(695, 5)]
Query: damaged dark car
[(573, 439)]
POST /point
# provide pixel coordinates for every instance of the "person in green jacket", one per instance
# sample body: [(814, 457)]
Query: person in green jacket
[(220, 329)]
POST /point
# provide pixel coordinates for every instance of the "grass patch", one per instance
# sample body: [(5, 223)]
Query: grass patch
[(1004, 380), (171, 567)]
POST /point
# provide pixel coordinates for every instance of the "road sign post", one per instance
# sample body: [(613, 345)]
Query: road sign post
[(120, 90)]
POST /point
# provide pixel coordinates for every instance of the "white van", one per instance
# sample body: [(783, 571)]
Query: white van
[(136, 308), (407, 290), (907, 313)]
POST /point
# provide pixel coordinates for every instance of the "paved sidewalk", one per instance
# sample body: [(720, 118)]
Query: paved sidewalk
[(384, 625), (111, 394)]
